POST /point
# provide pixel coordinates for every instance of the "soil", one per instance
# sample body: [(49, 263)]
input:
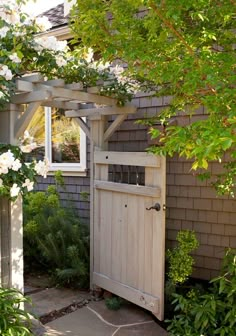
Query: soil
[(64, 311)]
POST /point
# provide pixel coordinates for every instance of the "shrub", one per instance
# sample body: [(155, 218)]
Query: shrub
[(180, 262), (55, 239), (211, 313), (13, 319)]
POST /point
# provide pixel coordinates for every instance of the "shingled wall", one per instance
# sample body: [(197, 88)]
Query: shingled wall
[(191, 204)]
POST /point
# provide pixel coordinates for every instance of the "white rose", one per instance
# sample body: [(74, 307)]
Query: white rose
[(42, 168), (14, 58), (28, 148), (1, 182), (7, 159), (14, 190), (43, 23), (4, 31), (16, 165), (28, 184), (5, 72), (3, 170), (60, 61)]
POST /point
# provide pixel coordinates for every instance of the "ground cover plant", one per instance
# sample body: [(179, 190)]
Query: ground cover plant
[(55, 240), (14, 321), (212, 312)]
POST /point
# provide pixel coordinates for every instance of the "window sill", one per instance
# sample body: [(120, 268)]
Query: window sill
[(68, 171)]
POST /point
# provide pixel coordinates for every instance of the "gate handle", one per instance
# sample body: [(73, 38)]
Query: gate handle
[(156, 207)]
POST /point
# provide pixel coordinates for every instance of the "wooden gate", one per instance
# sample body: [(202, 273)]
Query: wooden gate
[(128, 235)]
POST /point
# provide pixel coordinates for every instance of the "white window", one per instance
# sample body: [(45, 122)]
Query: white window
[(60, 139)]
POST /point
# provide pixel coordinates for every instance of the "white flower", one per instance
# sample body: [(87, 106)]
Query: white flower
[(89, 55), (3, 170), (14, 190), (14, 58), (28, 184), (27, 143), (43, 23), (16, 165), (51, 43), (28, 148), (42, 168), (60, 61), (117, 70), (99, 66), (1, 182), (7, 159), (3, 31), (5, 72), (10, 16)]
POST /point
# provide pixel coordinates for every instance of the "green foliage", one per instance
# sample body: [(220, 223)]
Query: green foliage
[(13, 319), (180, 262), (55, 239), (211, 313), (113, 303), (183, 49)]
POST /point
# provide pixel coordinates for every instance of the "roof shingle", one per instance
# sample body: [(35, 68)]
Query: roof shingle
[(56, 16)]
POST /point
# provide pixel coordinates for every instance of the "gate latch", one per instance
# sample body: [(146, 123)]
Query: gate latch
[(156, 207)]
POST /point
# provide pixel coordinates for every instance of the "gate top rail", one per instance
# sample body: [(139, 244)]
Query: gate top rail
[(128, 158)]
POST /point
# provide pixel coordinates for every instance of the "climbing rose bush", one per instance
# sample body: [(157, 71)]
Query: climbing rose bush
[(24, 49), (17, 176)]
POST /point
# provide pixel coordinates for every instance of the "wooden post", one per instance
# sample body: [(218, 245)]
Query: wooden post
[(11, 224), (97, 130)]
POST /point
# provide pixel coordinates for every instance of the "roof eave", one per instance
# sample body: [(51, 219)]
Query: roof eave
[(61, 33)]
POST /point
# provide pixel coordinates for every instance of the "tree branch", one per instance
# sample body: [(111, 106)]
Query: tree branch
[(172, 28)]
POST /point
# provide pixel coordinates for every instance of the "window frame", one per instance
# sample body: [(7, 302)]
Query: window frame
[(69, 169)]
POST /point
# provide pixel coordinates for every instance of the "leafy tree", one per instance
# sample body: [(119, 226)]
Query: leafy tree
[(184, 49)]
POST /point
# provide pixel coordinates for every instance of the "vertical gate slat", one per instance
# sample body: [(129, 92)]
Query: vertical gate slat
[(105, 243), (124, 241), (141, 256), (117, 220), (132, 243)]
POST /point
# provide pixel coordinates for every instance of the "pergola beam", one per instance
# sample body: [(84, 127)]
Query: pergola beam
[(67, 94), (128, 109), (29, 97)]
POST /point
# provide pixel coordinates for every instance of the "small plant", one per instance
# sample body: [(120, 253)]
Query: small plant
[(14, 321), (180, 262), (113, 303), (55, 239), (211, 313)]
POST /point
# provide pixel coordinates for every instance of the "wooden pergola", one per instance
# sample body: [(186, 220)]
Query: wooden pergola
[(78, 102)]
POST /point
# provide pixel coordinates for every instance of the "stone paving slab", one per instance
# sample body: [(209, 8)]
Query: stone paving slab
[(97, 320), (128, 314), (49, 300), (147, 329), (82, 322)]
